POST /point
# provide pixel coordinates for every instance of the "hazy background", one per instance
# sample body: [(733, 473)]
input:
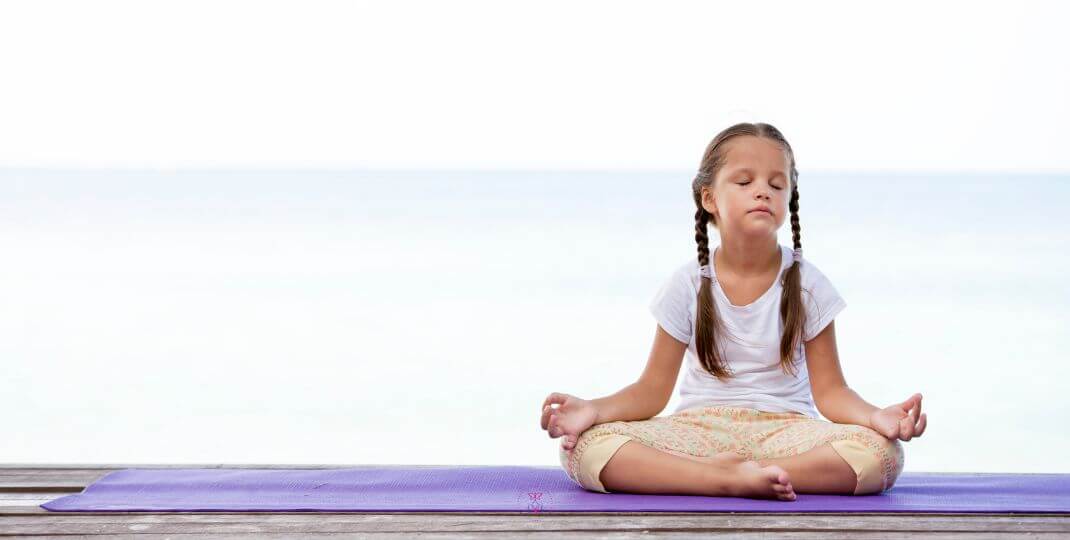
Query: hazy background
[(382, 233)]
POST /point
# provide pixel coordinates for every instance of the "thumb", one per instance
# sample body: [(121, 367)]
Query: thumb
[(909, 403), (572, 441)]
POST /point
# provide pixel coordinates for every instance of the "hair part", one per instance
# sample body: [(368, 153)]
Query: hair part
[(709, 328)]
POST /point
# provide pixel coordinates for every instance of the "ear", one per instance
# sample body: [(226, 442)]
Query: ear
[(709, 201)]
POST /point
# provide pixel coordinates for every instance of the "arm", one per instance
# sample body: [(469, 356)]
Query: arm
[(834, 399), (646, 397)]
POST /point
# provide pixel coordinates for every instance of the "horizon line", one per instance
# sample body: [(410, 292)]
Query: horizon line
[(618, 170)]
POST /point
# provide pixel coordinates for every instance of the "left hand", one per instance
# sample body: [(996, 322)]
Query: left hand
[(900, 421)]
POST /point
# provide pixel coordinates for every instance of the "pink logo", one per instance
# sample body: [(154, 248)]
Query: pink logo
[(535, 503)]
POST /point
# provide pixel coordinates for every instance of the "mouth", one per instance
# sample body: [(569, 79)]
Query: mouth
[(760, 211)]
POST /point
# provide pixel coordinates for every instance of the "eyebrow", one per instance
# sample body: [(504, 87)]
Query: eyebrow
[(747, 170)]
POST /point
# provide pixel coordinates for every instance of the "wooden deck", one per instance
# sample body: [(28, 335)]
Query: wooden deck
[(24, 487)]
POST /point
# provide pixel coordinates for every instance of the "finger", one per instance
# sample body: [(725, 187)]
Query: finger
[(554, 397), (550, 426), (909, 403), (555, 429), (569, 443), (906, 428), (547, 409), (917, 414), (921, 426)]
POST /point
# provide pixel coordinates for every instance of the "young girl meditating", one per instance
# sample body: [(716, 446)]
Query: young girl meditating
[(755, 320)]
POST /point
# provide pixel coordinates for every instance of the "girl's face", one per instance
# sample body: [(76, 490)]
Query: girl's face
[(755, 175)]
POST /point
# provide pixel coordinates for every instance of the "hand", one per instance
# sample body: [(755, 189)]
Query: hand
[(571, 418), (900, 421)]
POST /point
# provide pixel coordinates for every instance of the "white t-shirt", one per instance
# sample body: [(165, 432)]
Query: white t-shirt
[(757, 381)]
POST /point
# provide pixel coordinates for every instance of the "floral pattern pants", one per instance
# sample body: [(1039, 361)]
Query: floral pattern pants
[(754, 434)]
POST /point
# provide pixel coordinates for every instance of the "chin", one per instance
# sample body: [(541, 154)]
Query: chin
[(759, 231)]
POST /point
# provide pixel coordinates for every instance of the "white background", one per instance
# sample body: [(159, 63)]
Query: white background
[(920, 86)]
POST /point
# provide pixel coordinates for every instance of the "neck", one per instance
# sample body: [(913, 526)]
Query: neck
[(747, 256)]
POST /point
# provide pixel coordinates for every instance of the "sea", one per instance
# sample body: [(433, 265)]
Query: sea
[(343, 317)]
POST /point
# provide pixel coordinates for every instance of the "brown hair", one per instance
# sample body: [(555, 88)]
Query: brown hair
[(792, 312)]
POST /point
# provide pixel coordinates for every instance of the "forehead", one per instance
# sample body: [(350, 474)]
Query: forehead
[(755, 154)]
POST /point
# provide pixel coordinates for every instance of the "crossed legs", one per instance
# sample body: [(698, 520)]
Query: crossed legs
[(638, 468), (661, 456)]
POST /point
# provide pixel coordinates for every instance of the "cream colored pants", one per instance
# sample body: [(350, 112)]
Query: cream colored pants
[(705, 431)]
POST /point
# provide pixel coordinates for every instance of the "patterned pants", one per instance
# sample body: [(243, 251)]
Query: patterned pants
[(705, 431)]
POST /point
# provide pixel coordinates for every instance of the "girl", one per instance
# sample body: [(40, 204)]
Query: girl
[(756, 322)]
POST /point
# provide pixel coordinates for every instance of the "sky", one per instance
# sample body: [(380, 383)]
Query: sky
[(237, 317), (914, 86)]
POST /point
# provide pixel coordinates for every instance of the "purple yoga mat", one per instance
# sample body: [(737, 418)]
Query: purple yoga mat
[(469, 488)]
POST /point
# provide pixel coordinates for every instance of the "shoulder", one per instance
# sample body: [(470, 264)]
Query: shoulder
[(811, 275), (674, 304), (815, 284)]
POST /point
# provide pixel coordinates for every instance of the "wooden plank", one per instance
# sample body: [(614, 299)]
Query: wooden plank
[(409, 522), (6, 468), (38, 477), (28, 499), (745, 535)]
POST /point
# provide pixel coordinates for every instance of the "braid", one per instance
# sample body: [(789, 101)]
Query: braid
[(709, 324), (701, 238), (792, 311), (793, 205)]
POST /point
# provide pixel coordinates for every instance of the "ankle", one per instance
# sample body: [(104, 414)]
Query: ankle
[(723, 480)]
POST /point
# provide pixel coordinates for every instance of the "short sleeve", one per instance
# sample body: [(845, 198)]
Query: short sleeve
[(671, 306), (823, 303)]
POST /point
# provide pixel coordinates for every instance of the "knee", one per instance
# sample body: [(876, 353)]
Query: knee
[(889, 457), (876, 460), (894, 448), (584, 462)]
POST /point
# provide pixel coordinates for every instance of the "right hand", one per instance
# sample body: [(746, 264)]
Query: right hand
[(570, 419)]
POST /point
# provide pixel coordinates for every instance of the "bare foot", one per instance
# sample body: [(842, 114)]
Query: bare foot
[(750, 479), (742, 478)]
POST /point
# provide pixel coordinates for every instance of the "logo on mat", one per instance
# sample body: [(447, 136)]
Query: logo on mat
[(536, 501)]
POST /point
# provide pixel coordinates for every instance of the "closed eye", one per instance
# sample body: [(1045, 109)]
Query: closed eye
[(747, 182)]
